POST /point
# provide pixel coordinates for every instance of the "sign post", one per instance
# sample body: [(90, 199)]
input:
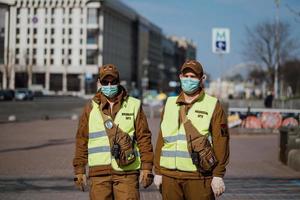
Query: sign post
[(220, 46)]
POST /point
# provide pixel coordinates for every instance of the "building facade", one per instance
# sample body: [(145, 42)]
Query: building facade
[(58, 45)]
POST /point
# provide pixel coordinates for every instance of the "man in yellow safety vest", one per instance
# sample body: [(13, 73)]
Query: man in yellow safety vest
[(192, 148), (114, 140)]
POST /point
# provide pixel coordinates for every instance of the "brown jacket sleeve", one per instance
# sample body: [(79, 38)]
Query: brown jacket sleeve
[(81, 151), (143, 137), (220, 139), (158, 147)]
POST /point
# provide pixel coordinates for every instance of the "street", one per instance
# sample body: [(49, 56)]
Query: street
[(36, 163)]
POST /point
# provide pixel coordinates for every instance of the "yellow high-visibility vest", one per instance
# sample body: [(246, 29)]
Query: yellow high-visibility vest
[(99, 150), (175, 154)]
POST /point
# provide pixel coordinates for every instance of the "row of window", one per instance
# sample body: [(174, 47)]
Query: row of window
[(47, 10), (46, 41), (91, 58), (52, 30), (45, 51), (17, 61), (35, 19)]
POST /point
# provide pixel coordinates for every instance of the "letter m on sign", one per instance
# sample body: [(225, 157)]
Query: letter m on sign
[(220, 40)]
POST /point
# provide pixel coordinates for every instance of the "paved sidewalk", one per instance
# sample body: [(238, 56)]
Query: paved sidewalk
[(36, 163)]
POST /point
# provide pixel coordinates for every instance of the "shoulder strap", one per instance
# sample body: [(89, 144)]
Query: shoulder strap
[(183, 114)]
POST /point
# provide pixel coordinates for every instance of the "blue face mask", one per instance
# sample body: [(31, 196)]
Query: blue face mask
[(189, 85), (109, 90)]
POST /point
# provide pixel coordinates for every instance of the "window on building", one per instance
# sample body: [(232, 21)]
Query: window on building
[(18, 11), (34, 61), (46, 31), (92, 17), (52, 11), (17, 50), (52, 20), (70, 11), (52, 40), (80, 51), (70, 41), (27, 61), (64, 21), (17, 61), (80, 62), (38, 79), (69, 61), (18, 20), (70, 31), (17, 40), (18, 31), (92, 36), (46, 20), (45, 51), (52, 31), (63, 52), (70, 20), (28, 40), (92, 57), (35, 11), (81, 31), (34, 51), (52, 51), (63, 41), (34, 40), (63, 31), (35, 31), (81, 41), (45, 40), (45, 61), (28, 31), (51, 61), (70, 51)]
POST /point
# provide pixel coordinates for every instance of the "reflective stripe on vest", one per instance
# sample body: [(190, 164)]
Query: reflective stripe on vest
[(175, 154), (99, 151)]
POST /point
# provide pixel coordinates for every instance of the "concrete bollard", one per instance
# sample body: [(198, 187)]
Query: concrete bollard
[(12, 118), (294, 159)]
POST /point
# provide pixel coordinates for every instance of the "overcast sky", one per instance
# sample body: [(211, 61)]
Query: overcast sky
[(194, 19)]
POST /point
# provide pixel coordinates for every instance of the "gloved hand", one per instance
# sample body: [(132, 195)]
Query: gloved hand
[(218, 186), (158, 181), (146, 178), (80, 181)]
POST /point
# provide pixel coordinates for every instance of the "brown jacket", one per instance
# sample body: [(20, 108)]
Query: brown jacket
[(142, 133), (220, 139)]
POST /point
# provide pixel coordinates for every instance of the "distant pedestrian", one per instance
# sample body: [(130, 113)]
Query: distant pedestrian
[(269, 100)]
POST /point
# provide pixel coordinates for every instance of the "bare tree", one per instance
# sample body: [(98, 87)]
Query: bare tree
[(8, 66), (294, 12), (260, 45)]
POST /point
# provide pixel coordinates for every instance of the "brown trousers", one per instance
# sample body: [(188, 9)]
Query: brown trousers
[(186, 189), (116, 187)]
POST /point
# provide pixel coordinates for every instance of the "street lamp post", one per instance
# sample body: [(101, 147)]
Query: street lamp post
[(145, 79), (277, 50)]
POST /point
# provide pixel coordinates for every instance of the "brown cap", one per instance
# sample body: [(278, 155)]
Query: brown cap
[(194, 65), (108, 69)]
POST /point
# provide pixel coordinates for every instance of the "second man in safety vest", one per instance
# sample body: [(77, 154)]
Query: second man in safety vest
[(192, 148), (114, 140)]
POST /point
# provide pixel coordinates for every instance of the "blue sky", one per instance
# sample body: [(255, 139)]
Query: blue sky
[(194, 19)]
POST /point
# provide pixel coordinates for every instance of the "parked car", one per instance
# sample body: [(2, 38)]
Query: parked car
[(23, 94), (7, 95)]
